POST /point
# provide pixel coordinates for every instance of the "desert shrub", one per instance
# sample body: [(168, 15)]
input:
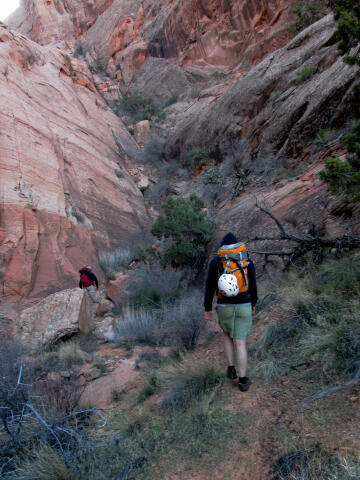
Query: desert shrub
[(69, 353), (218, 75), (170, 101), (138, 108), (183, 322), (117, 395), (325, 136), (153, 152), (315, 464), (187, 228), (98, 65), (43, 463), (36, 415), (186, 383), (343, 176), (306, 13), (137, 326), (77, 214), (194, 157), (152, 286), (214, 175), (101, 366), (113, 262), (323, 311), (80, 48), (179, 324), (305, 73), (119, 174), (148, 389)]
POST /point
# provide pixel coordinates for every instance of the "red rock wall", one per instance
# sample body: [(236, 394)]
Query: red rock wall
[(46, 21), (215, 33), (221, 33), (61, 200)]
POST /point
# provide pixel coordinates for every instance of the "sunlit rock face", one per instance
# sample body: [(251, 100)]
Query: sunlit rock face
[(66, 193)]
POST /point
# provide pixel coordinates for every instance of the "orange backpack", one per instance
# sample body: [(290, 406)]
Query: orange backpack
[(234, 259)]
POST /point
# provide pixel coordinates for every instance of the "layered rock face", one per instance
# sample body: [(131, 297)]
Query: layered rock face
[(66, 193), (266, 124), (215, 34), (46, 21), (274, 106)]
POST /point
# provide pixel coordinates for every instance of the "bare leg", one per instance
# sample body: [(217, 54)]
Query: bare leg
[(241, 356), (229, 349)]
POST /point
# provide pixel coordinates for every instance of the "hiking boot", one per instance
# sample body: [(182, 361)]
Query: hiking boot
[(231, 372), (244, 384)]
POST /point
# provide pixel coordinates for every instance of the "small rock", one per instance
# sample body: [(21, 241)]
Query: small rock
[(104, 307), (93, 374), (87, 357), (104, 331)]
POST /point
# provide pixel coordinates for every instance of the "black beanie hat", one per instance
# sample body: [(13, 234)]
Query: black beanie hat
[(229, 239)]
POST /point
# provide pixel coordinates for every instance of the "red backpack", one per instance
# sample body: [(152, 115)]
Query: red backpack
[(85, 282)]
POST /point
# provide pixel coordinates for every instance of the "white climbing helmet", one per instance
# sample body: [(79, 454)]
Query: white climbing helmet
[(228, 285)]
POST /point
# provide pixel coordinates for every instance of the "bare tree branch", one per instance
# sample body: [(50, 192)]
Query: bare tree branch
[(326, 393), (307, 242)]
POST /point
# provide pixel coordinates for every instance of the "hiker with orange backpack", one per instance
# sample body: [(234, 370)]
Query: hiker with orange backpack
[(232, 276), (88, 280)]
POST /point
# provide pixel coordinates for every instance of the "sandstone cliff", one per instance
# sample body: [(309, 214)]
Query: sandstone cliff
[(66, 193), (215, 34)]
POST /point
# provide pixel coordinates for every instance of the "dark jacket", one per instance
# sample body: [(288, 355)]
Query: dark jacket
[(213, 276), (91, 276)]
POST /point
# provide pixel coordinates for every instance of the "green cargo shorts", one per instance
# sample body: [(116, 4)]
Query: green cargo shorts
[(236, 320)]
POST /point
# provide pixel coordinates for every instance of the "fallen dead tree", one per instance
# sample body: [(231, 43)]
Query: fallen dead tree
[(326, 393), (296, 246), (37, 412)]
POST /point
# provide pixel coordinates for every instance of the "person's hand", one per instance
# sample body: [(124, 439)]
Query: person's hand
[(253, 310), (208, 316)]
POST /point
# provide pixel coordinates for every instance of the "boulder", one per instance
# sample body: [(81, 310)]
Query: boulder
[(116, 289), (99, 392), (105, 330), (141, 132), (56, 316), (93, 373), (105, 306)]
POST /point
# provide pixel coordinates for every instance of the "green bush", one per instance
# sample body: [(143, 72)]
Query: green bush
[(148, 389), (305, 73), (306, 13), (138, 108), (187, 228), (80, 48), (193, 158), (187, 383), (343, 176), (347, 13), (325, 136)]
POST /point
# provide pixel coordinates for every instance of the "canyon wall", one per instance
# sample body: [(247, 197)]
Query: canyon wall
[(66, 193), (215, 34)]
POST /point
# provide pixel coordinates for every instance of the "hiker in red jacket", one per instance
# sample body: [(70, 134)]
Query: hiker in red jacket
[(88, 280), (231, 276)]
